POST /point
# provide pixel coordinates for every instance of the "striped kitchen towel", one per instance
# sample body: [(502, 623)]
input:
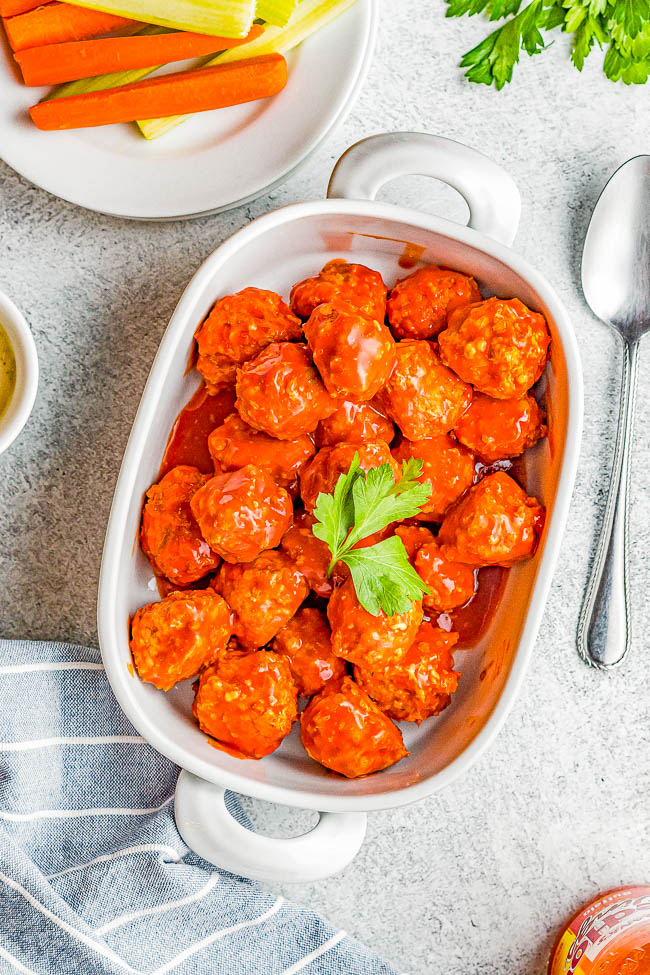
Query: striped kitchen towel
[(94, 877)]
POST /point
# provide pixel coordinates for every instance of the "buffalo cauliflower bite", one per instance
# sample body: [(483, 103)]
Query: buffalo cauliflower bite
[(354, 354), (499, 428), (419, 304), (362, 638), (354, 283), (170, 536), (452, 584), (342, 729), (418, 685), (446, 466), (322, 473), (498, 346), (311, 555), (235, 444), (263, 594), (242, 513), (237, 328), (422, 396), (413, 538), (172, 639), (247, 702), (495, 523), (306, 642), (280, 393), (354, 423)]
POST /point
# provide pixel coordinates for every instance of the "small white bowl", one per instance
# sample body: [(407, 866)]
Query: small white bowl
[(20, 406)]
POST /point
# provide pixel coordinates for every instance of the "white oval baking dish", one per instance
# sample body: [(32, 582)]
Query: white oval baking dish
[(273, 252)]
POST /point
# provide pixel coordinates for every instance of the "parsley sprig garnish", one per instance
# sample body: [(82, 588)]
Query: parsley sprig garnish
[(621, 26), (365, 502)]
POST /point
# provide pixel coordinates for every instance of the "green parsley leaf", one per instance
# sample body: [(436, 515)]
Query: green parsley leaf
[(493, 60), (554, 18), (504, 8), (632, 15), (621, 26), (411, 472), (595, 7), (625, 67), (576, 14), (589, 31), (458, 8), (628, 58), (495, 9), (379, 500), (383, 577), (365, 502)]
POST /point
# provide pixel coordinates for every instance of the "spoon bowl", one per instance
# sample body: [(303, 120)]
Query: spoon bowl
[(616, 256)]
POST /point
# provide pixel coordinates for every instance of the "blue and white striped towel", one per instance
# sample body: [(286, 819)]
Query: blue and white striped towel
[(94, 877)]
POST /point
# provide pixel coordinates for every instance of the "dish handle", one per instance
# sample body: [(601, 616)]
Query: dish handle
[(208, 828), (491, 194)]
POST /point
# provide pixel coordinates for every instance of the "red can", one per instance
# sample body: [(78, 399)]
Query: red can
[(609, 936)]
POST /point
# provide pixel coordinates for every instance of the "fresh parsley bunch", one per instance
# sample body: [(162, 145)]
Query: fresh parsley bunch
[(620, 26), (362, 503)]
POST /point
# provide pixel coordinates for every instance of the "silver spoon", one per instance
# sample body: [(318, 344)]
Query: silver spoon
[(616, 284)]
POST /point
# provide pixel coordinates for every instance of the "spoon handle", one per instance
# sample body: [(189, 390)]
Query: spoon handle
[(604, 625)]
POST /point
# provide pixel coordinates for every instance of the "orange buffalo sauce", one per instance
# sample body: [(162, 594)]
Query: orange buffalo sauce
[(610, 936), (188, 441), (472, 620)]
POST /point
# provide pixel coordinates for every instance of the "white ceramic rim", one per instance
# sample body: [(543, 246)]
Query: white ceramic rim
[(118, 675), (371, 19), (22, 343)]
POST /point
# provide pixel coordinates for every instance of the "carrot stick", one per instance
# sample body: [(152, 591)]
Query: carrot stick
[(55, 23), (186, 91), (10, 8), (53, 64)]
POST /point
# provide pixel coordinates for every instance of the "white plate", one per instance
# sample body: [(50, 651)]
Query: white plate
[(215, 160)]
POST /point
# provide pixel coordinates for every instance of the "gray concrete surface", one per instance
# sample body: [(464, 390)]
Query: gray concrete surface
[(474, 881)]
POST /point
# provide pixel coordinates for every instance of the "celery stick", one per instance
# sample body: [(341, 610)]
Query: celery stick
[(275, 12), (222, 18), (308, 17), (100, 83), (113, 80)]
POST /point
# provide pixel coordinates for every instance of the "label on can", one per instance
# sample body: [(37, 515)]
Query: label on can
[(613, 930)]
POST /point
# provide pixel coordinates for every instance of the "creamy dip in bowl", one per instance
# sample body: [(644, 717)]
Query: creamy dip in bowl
[(7, 371), (18, 372)]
